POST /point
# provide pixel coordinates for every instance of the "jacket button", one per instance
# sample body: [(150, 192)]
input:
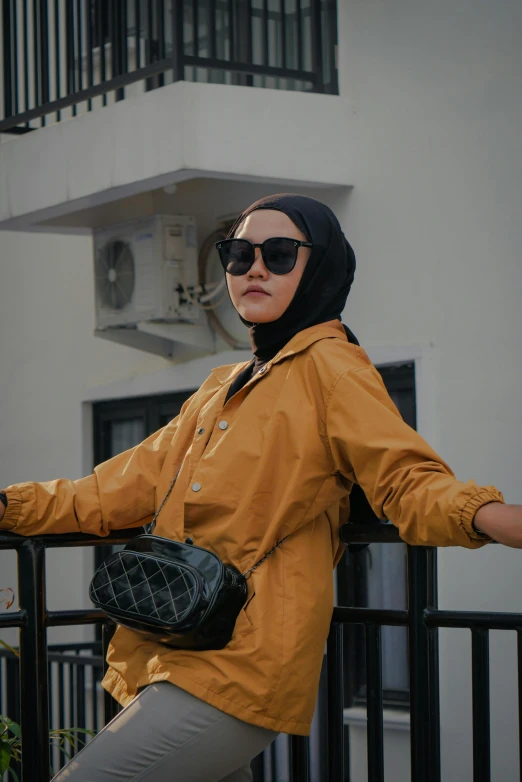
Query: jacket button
[(196, 486), (223, 425), (189, 541), (201, 430)]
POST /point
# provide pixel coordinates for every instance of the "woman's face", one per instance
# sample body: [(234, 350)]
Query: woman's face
[(276, 290)]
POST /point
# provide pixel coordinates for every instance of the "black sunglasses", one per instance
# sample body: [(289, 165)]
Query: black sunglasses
[(279, 254)]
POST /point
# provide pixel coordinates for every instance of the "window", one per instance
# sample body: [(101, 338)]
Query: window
[(123, 423), (376, 577)]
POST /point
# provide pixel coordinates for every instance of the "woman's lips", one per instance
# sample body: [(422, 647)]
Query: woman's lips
[(255, 290)]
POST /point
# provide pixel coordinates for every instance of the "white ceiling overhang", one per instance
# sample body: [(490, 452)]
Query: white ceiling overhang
[(182, 131)]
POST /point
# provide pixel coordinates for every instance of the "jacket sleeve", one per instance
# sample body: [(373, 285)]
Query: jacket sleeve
[(402, 477), (120, 493)]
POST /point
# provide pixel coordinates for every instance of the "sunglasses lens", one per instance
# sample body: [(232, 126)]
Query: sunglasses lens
[(280, 255), (236, 255)]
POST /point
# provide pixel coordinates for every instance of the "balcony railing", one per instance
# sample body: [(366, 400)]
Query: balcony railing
[(75, 696), (75, 55), (422, 618)]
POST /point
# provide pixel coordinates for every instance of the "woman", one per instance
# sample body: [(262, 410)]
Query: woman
[(268, 450)]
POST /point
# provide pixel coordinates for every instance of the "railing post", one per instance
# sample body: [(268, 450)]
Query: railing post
[(44, 50), (481, 705), (34, 709), (333, 48), (118, 43), (178, 69), (299, 759), (423, 707), (12, 676), (334, 661), (317, 45), (519, 687), (7, 52), (433, 662), (12, 690), (375, 740)]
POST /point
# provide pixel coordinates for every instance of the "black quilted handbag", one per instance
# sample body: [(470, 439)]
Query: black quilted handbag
[(176, 593)]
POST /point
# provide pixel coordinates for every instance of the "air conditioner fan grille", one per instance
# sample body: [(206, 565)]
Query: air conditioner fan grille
[(115, 277)]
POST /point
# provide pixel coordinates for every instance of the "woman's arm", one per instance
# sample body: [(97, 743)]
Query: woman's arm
[(500, 522), (404, 479), (120, 493)]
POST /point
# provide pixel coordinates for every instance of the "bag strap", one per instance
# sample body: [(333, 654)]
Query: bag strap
[(254, 567), (149, 529)]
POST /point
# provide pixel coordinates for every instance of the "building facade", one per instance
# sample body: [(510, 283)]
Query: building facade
[(412, 134)]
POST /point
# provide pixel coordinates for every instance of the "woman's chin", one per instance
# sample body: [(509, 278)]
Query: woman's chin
[(256, 315)]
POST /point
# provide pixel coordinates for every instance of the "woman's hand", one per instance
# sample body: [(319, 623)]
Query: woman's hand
[(501, 522)]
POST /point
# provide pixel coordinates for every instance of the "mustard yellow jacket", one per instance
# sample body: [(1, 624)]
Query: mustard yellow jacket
[(279, 458)]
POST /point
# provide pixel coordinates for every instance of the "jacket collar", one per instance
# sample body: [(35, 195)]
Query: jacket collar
[(301, 341)]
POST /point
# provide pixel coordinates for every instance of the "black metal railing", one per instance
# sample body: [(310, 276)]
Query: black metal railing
[(45, 686), (76, 702), (28, 679), (58, 54), (29, 695), (423, 620)]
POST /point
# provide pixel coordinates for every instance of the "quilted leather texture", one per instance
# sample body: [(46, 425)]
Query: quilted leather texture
[(145, 587)]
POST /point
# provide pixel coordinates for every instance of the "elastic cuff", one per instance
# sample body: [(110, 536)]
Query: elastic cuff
[(486, 495), (13, 510)]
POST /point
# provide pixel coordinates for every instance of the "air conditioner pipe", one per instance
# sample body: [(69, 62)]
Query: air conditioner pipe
[(203, 258)]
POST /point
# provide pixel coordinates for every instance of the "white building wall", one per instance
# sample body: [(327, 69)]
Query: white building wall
[(435, 219), (432, 95)]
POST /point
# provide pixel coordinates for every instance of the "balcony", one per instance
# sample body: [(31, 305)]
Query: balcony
[(106, 101), (63, 55)]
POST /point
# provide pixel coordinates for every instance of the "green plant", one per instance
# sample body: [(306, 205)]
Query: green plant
[(9, 648), (10, 732), (11, 743), (11, 737)]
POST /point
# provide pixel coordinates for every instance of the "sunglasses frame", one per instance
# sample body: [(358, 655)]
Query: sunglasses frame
[(296, 242)]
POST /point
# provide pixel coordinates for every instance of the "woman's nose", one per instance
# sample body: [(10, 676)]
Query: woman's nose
[(258, 268)]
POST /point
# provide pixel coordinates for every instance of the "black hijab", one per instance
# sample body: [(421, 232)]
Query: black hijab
[(327, 278)]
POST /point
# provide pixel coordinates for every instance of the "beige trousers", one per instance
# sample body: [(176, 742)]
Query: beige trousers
[(168, 735)]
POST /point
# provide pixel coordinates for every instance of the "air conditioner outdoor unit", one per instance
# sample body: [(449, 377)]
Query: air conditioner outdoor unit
[(142, 270)]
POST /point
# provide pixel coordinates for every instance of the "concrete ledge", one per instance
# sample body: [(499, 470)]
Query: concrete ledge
[(392, 719), (180, 131)]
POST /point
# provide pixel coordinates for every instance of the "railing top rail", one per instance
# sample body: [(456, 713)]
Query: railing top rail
[(9, 540), (473, 620), (140, 74), (384, 532), (349, 533), (82, 660)]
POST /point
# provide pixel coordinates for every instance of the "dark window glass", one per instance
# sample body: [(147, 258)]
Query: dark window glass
[(123, 423), (101, 22)]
